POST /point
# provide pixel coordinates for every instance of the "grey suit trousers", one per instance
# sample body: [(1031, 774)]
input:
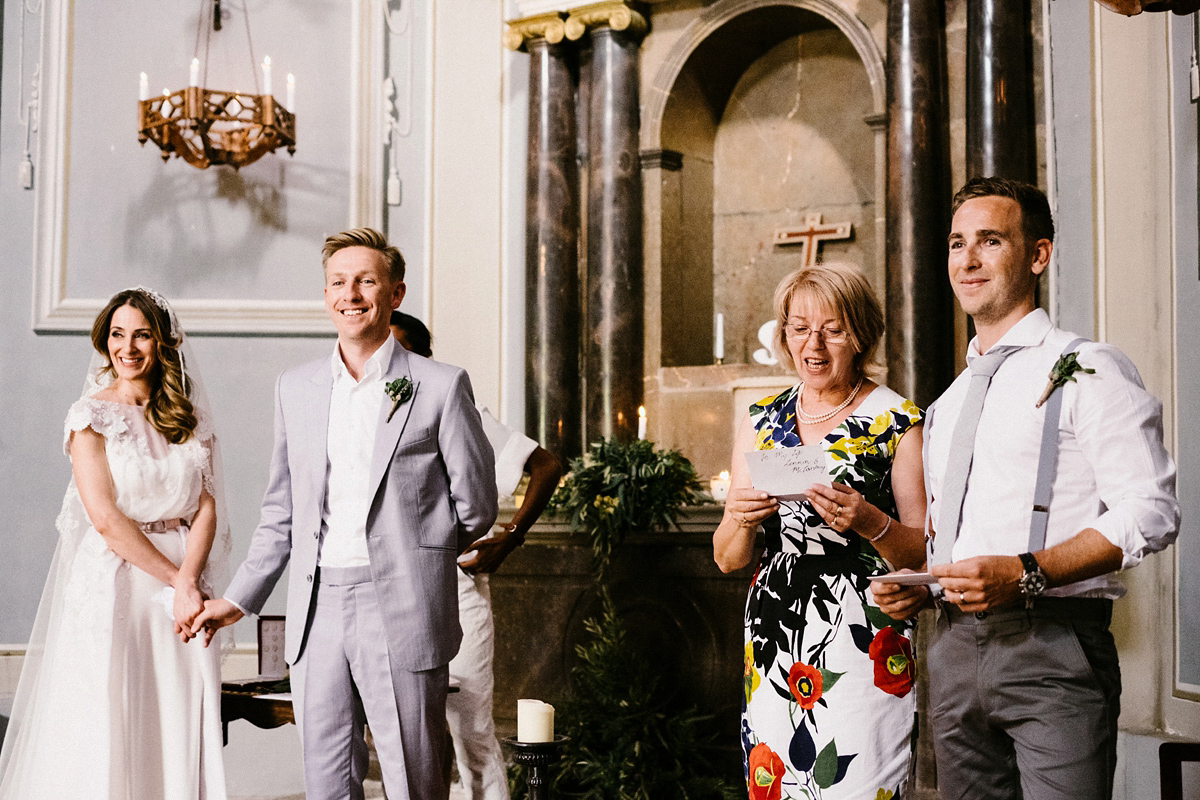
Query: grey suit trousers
[(345, 678), (1025, 703)]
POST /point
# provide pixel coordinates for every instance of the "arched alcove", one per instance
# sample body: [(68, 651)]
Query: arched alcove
[(763, 112)]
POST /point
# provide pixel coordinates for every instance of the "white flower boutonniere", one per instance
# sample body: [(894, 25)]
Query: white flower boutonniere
[(1064, 370), (400, 390)]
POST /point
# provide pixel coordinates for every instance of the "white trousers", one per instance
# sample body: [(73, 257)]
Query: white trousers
[(469, 710)]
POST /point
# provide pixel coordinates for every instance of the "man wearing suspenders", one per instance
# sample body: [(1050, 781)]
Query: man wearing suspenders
[(1040, 489)]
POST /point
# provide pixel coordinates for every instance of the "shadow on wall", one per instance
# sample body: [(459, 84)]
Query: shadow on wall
[(215, 222)]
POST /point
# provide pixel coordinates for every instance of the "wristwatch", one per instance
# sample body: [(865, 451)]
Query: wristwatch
[(1033, 582)]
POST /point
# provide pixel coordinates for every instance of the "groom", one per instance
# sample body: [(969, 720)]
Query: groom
[(381, 474)]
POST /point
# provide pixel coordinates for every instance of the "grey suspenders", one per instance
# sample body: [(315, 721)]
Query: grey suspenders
[(1047, 467)]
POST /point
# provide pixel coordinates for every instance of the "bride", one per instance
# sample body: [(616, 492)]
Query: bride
[(114, 701)]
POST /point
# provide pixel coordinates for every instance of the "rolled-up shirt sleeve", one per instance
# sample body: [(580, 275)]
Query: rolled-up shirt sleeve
[(1119, 428)]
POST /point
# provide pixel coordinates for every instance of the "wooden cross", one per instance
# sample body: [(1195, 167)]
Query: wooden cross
[(810, 236)]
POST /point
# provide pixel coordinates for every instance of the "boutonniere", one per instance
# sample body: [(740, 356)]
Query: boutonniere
[(400, 390), (1064, 370)]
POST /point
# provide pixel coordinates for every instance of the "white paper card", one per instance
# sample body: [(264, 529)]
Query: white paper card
[(786, 472), (906, 578)]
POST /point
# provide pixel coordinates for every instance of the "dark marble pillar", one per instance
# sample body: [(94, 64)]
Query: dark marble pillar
[(613, 340), (920, 305), (1000, 126), (552, 299)]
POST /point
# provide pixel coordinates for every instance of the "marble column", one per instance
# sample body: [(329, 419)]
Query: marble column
[(919, 303), (1000, 125), (613, 338), (553, 412)]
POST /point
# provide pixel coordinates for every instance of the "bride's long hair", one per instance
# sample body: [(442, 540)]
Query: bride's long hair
[(170, 408)]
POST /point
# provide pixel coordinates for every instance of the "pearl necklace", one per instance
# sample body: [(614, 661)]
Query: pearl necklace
[(812, 420)]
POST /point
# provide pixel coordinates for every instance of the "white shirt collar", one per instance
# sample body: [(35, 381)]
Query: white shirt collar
[(1030, 331), (375, 368)]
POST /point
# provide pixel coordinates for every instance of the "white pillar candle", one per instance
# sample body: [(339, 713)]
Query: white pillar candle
[(144, 87), (641, 422), (719, 339), (194, 73), (266, 70), (291, 93), (535, 721), (719, 486)]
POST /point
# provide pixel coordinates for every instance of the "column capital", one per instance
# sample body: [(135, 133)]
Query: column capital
[(550, 27), (615, 14)]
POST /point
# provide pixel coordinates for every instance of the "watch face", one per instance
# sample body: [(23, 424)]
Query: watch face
[(1033, 583)]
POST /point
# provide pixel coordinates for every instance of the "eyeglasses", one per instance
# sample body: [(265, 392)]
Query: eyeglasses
[(800, 333)]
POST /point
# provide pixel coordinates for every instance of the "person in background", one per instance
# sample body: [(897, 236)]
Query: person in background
[(829, 702), (469, 711), (1024, 684)]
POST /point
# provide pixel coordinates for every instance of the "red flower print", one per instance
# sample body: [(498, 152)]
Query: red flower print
[(805, 683), (766, 773), (892, 654)]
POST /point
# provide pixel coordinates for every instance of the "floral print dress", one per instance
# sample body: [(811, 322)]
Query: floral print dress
[(829, 706)]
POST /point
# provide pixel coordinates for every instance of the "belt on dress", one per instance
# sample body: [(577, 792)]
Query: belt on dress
[(161, 525)]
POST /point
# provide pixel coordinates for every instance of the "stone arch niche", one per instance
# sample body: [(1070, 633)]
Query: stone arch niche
[(763, 112)]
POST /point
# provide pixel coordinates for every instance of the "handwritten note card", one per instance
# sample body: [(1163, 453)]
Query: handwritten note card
[(786, 473)]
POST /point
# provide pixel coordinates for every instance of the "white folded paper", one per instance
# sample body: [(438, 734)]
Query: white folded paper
[(785, 473), (535, 721)]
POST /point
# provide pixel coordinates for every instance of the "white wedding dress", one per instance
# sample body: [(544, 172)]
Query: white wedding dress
[(111, 705)]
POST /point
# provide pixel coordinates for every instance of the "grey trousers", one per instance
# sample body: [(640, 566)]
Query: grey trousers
[(1024, 704), (344, 679)]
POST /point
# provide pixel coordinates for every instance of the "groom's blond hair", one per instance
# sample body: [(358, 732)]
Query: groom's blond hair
[(366, 237)]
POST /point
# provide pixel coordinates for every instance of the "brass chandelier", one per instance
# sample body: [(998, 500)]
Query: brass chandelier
[(209, 126)]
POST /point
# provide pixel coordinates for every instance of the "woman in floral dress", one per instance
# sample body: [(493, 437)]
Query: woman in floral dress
[(829, 708)]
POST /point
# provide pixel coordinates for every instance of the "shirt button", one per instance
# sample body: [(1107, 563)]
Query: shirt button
[(310, 578), (317, 535), (978, 614)]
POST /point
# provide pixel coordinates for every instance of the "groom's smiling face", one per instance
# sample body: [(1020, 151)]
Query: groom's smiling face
[(360, 294)]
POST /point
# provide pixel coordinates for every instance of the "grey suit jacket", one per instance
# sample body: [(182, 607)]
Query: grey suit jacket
[(435, 494)]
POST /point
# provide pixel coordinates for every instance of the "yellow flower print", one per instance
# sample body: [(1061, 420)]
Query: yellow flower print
[(884, 794), (881, 423), (910, 408), (752, 679), (762, 441)]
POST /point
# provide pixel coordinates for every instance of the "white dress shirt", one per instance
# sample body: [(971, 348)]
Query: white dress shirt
[(512, 449), (1114, 474), (354, 408)]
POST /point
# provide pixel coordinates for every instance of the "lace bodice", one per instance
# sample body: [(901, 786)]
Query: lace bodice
[(154, 479)]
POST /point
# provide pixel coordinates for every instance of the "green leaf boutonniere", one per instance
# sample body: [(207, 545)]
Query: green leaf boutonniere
[(1064, 370), (400, 390)]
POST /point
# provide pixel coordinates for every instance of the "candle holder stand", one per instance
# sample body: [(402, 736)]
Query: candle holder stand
[(536, 757), (719, 362)]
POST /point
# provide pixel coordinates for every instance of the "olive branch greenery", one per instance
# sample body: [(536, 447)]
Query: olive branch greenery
[(1064, 370)]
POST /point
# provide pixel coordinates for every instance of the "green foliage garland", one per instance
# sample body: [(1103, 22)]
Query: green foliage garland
[(625, 741), (616, 488)]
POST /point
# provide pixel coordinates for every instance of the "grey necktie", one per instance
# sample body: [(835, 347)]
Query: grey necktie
[(962, 449)]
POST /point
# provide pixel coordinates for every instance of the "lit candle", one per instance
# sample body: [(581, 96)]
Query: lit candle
[(535, 721), (719, 339), (143, 87), (266, 68), (291, 93), (194, 74), (719, 486), (641, 422)]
